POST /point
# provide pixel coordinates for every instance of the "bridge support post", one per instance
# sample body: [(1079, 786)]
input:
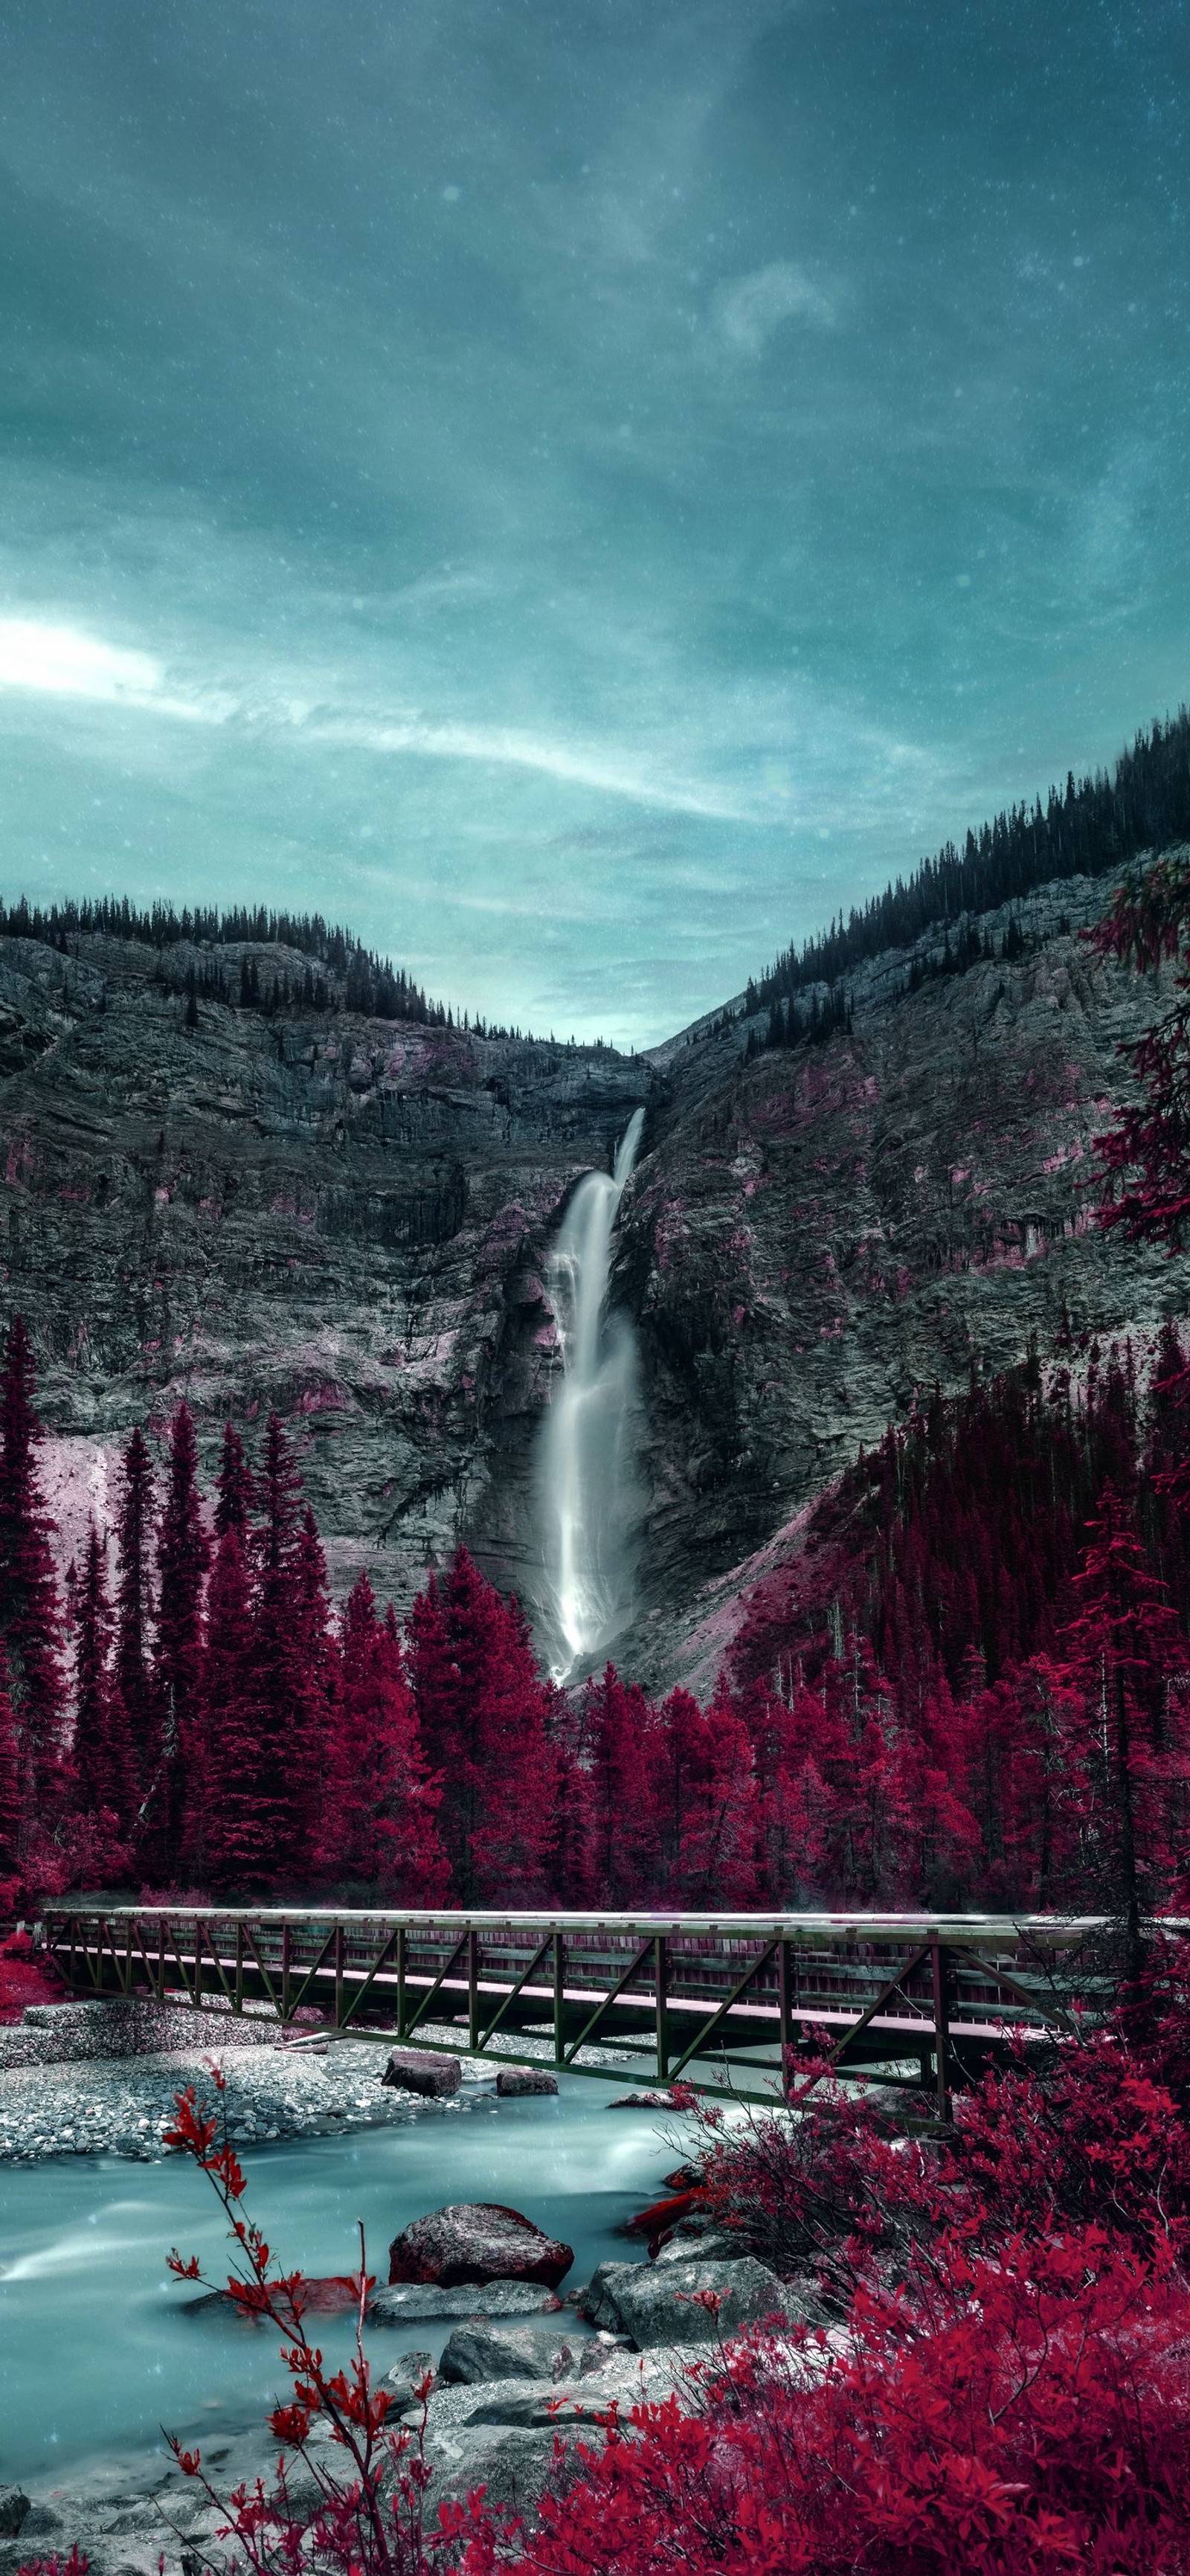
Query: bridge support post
[(939, 1964), (239, 2002), (340, 1947), (401, 1982), (786, 2001), (284, 1974), (473, 1990), (660, 1977), (559, 2000)]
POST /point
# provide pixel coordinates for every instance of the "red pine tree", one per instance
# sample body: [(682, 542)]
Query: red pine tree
[(289, 1698), (10, 1777), (234, 1494), (103, 1764), (183, 1556), (617, 1724), (29, 1611), (228, 1842), (386, 1833), (482, 1709), (134, 1614)]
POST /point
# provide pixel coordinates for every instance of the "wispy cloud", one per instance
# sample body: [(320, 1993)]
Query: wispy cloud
[(66, 662), (747, 310)]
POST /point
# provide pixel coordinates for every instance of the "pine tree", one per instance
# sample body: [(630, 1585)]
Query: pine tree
[(1123, 1647), (10, 1777), (287, 1687), (29, 1611), (183, 1556), (228, 1842), (482, 1710), (386, 1831), (134, 1614), (104, 1769), (235, 1496), (618, 1721)]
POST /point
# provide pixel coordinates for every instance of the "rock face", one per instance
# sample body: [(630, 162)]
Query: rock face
[(416, 2070), (347, 1220), (477, 2240)]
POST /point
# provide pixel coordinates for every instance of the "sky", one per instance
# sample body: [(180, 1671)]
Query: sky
[(579, 490)]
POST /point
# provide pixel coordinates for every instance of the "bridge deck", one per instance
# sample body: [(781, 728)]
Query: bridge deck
[(941, 1994)]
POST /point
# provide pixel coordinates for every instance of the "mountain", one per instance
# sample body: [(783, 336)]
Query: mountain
[(346, 1218)]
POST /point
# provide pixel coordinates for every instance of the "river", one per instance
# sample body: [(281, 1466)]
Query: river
[(96, 2350)]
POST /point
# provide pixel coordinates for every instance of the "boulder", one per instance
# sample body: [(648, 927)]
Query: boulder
[(14, 2506), (477, 2240), (418, 2070), (515, 2080), (418, 2303), (477, 2352), (663, 2303), (642, 2102), (407, 2376)]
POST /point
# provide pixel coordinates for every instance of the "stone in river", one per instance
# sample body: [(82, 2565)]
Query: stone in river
[(477, 2240), (418, 2070), (664, 2303), (479, 2352), (416, 2302), (512, 2080), (642, 2102)]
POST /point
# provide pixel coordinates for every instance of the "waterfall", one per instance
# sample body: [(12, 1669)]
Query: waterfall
[(586, 1466)]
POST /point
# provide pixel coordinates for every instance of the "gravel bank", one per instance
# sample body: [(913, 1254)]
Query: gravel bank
[(122, 2106)]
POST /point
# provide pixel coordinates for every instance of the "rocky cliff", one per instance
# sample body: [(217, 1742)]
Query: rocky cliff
[(347, 1219)]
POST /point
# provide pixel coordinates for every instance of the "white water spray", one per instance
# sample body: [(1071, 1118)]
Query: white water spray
[(587, 1483)]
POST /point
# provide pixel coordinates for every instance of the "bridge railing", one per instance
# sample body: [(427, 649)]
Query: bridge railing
[(923, 1999)]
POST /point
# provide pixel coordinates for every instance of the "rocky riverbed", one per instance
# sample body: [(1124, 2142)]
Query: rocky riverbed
[(502, 2400), (502, 2368)]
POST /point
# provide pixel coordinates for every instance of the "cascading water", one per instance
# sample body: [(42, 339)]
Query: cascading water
[(586, 1468)]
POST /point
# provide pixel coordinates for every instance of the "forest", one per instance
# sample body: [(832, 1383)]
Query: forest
[(971, 1687)]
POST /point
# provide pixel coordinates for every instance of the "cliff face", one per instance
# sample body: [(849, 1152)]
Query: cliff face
[(347, 1220)]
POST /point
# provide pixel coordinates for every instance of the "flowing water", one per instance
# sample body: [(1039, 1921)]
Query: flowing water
[(587, 1481), (97, 2352)]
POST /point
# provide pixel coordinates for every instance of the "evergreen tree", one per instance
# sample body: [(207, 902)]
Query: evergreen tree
[(290, 1645), (134, 1616), (183, 1556), (104, 1769), (482, 1710), (386, 1831), (228, 1843), (29, 1611), (10, 1778), (235, 1497)]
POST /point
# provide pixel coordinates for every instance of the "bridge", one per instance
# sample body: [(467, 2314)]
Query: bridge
[(921, 2000)]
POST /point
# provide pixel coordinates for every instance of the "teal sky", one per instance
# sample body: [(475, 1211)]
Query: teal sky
[(578, 489)]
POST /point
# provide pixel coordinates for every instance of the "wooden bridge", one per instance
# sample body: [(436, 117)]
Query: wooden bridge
[(921, 2000)]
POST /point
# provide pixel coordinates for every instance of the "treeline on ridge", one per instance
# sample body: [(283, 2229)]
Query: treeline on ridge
[(1083, 830)]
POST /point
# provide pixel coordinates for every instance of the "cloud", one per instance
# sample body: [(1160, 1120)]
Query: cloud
[(63, 661), (749, 309)]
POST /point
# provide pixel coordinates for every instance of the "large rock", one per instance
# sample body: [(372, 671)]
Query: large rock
[(418, 2303), (512, 2081), (477, 2240), (479, 2352), (14, 2507), (419, 2070), (666, 2304)]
